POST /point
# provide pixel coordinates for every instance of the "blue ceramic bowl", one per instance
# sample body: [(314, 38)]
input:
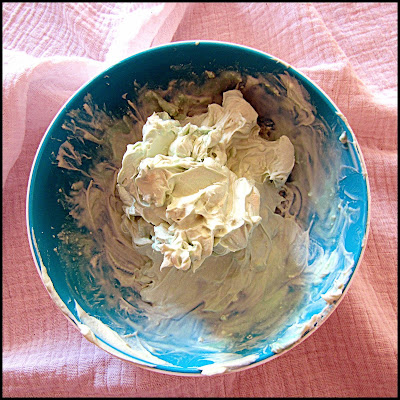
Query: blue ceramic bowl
[(349, 193)]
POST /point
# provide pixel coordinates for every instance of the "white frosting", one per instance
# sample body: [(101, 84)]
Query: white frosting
[(258, 276), (192, 185), (219, 368), (92, 328)]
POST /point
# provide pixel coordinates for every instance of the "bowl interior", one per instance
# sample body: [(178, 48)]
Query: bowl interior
[(346, 189)]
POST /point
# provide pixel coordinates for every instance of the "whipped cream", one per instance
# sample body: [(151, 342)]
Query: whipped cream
[(150, 195), (188, 187)]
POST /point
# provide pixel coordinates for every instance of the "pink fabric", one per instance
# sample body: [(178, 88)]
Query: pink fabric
[(348, 49)]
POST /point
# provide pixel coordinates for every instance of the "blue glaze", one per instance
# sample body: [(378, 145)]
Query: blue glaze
[(45, 215)]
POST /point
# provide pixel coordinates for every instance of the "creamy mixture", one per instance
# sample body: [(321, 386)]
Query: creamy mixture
[(190, 218), (189, 188)]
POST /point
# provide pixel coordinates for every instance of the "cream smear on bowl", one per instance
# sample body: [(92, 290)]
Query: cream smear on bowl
[(190, 220)]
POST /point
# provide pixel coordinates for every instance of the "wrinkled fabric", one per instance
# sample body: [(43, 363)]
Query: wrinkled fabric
[(348, 49)]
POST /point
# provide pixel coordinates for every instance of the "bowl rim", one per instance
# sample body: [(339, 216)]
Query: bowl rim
[(179, 371)]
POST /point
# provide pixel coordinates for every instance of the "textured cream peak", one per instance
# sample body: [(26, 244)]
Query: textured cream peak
[(193, 183)]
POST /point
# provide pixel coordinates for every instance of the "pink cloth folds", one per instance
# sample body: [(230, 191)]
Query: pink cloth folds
[(348, 49)]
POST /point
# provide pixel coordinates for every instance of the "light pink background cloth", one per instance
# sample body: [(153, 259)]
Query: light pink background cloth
[(348, 49)]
